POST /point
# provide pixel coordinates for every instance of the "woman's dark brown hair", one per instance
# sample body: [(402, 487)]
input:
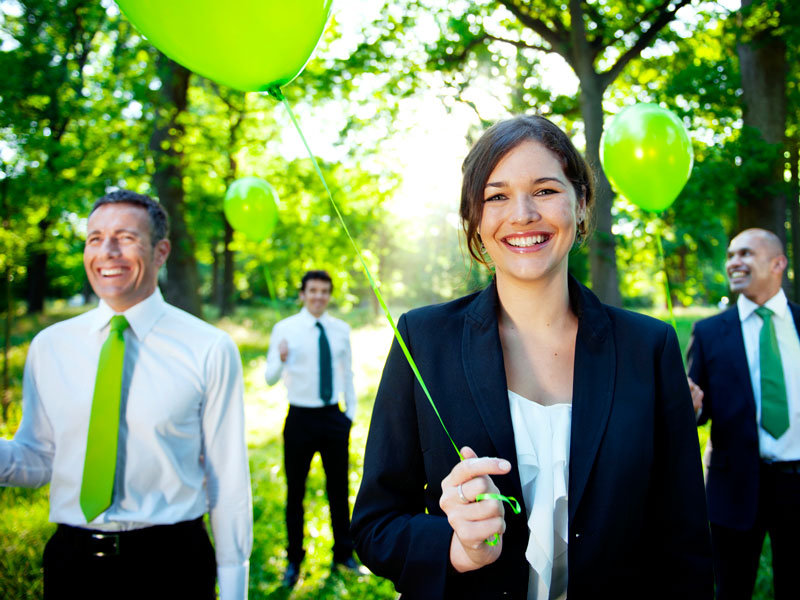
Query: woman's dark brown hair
[(497, 141)]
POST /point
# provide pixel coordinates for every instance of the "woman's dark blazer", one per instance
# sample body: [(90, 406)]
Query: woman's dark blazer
[(637, 513)]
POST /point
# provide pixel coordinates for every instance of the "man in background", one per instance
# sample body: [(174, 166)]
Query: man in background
[(133, 413), (744, 370), (311, 350)]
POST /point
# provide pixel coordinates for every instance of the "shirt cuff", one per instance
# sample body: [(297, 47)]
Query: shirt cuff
[(232, 581)]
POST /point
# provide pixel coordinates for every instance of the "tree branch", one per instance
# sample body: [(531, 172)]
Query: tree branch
[(457, 58), (520, 44), (665, 15), (593, 13), (559, 41)]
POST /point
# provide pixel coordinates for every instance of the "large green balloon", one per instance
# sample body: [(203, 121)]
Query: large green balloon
[(251, 206), (647, 155), (250, 45)]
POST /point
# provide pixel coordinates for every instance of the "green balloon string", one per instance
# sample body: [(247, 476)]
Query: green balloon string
[(663, 262), (512, 502), (276, 93)]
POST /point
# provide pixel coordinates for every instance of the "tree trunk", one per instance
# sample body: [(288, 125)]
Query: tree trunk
[(226, 291), (226, 287), (602, 248), (216, 269), (36, 272), (225, 298), (794, 218), (762, 62), (182, 287), (6, 397)]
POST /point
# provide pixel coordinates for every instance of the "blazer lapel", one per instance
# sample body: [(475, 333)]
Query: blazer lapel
[(732, 339), (592, 388), (796, 316), (482, 357)]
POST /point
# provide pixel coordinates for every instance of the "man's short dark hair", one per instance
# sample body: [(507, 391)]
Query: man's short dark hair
[(159, 220), (319, 275)]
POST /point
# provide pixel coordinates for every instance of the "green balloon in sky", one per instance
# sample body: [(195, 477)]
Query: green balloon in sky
[(647, 155), (250, 45), (251, 206)]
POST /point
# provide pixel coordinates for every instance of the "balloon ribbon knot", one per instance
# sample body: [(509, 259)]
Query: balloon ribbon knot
[(276, 93)]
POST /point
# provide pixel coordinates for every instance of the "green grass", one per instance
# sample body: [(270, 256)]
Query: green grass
[(24, 526)]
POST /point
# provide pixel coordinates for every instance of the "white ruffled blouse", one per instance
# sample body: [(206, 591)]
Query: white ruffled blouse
[(542, 438)]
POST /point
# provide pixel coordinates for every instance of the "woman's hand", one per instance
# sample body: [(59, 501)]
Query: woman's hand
[(473, 522)]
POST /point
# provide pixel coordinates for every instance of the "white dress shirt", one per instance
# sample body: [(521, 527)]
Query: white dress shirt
[(181, 452), (787, 447), (301, 369), (541, 436)]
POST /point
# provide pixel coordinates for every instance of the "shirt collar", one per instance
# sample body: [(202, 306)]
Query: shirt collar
[(311, 320), (141, 317), (777, 304)]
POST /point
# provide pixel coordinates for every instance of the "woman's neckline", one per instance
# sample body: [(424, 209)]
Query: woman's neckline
[(521, 397)]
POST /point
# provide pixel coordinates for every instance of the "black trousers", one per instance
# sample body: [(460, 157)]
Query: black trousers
[(737, 553), (307, 431), (155, 563)]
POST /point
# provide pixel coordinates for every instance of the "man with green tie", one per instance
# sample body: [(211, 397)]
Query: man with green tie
[(311, 352), (744, 369), (133, 413)]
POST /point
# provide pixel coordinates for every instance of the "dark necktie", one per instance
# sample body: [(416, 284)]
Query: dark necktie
[(774, 408), (100, 463), (325, 369)]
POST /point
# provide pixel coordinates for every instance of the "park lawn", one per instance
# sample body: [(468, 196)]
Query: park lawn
[(24, 526)]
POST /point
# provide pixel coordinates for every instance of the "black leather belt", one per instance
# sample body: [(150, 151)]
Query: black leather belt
[(93, 542), (781, 466)]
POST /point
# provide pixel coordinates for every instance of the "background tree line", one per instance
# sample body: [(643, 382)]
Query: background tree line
[(86, 105)]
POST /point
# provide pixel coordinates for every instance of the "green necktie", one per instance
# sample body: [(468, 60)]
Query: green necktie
[(97, 485), (774, 409), (325, 367)]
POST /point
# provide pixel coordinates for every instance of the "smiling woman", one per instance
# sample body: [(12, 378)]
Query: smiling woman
[(580, 410)]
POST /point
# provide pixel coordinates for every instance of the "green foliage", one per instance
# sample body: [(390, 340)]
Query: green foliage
[(81, 93), (78, 109), (309, 236), (65, 126), (695, 232), (697, 79)]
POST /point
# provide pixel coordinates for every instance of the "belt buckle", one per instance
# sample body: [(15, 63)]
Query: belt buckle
[(101, 538)]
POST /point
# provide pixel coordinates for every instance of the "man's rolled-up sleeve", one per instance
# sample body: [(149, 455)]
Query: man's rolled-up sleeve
[(227, 470)]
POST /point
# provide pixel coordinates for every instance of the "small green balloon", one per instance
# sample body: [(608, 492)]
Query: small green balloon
[(647, 155), (250, 45), (251, 206)]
